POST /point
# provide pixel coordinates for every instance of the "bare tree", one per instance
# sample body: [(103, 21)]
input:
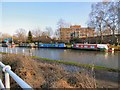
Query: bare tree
[(49, 31), (15, 38), (61, 24), (0, 34), (21, 35), (37, 32), (112, 21), (96, 18), (5, 36), (118, 4), (104, 16)]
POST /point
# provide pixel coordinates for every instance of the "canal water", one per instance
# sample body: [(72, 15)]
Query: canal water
[(85, 57)]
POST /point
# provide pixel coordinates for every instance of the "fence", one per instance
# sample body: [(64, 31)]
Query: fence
[(7, 70), (27, 52)]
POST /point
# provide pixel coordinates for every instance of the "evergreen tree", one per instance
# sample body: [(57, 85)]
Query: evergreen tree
[(29, 37)]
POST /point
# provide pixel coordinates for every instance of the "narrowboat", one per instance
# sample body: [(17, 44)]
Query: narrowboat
[(61, 45), (30, 45), (96, 47)]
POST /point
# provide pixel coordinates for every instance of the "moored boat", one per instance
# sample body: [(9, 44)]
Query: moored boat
[(96, 47), (59, 45)]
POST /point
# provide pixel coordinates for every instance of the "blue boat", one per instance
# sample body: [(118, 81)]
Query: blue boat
[(61, 45)]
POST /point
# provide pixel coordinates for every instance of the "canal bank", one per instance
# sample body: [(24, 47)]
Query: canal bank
[(87, 66), (41, 73)]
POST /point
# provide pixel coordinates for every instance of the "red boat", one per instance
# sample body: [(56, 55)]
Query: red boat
[(97, 47)]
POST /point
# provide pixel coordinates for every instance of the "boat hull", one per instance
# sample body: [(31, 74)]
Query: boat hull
[(52, 46), (90, 47), (86, 49)]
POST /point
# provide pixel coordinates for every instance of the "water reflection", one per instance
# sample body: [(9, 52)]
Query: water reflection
[(106, 55), (107, 59)]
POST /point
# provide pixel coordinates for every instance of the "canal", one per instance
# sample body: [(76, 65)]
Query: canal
[(105, 59)]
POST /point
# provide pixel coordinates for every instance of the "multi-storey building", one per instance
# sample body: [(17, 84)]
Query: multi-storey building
[(75, 31)]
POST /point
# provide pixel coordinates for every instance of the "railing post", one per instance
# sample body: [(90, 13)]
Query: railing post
[(2, 49), (7, 70), (11, 50), (6, 50), (7, 78)]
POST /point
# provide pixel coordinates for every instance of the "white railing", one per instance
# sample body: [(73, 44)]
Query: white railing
[(28, 52), (7, 70)]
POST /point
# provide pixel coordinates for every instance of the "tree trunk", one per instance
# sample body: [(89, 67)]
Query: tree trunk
[(101, 38), (101, 35), (113, 36)]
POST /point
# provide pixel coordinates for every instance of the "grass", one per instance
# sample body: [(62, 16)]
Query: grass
[(3, 53), (77, 64)]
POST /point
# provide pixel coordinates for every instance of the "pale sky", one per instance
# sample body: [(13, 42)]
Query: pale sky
[(29, 15)]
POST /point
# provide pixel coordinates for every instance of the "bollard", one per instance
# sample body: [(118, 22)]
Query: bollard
[(16, 50), (2, 49), (10, 50), (6, 50), (23, 51)]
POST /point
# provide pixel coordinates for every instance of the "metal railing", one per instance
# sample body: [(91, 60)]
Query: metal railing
[(28, 52), (7, 70)]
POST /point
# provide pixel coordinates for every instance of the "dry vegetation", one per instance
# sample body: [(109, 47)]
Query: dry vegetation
[(41, 74)]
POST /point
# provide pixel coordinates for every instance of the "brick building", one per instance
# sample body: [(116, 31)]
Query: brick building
[(75, 31)]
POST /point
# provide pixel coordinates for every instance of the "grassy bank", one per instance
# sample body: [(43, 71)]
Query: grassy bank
[(78, 64), (47, 73), (3, 53)]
